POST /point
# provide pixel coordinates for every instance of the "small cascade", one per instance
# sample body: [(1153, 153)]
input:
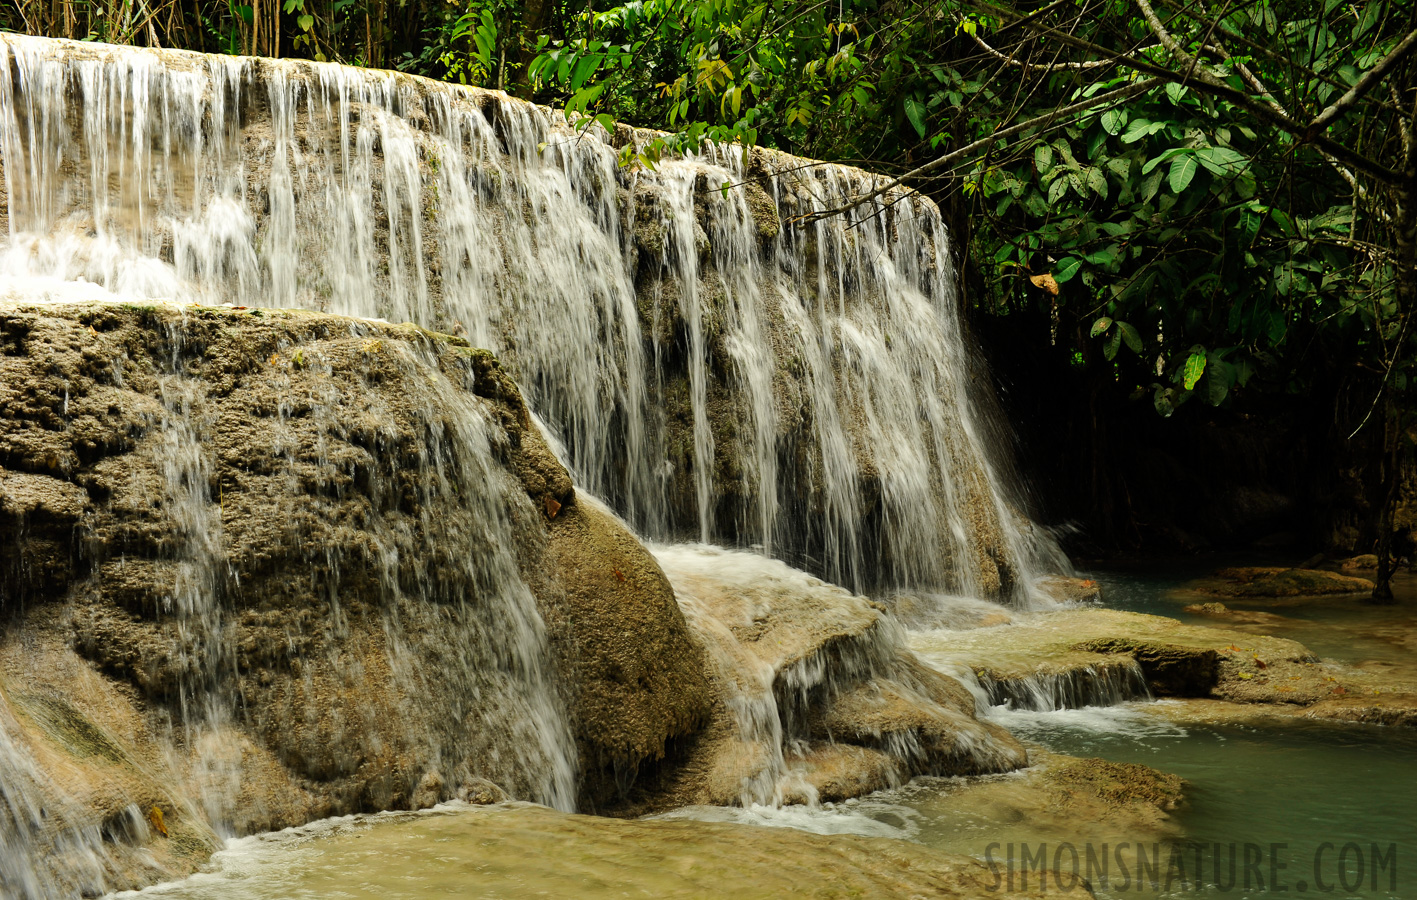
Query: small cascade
[(818, 685), (1109, 683), (715, 370)]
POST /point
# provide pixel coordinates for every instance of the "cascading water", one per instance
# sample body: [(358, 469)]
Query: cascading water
[(714, 370)]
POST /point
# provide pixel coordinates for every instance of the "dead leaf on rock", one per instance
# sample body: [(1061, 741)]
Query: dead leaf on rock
[(552, 507), (1044, 282), (155, 817)]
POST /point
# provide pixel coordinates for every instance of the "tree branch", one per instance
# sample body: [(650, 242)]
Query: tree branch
[(1369, 80), (1131, 90), (1217, 88)]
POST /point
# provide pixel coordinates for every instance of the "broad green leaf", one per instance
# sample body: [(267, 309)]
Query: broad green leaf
[(1131, 336), (1176, 92), (1183, 169), (1158, 160), (1222, 160), (1195, 368), (1097, 181), (1067, 267), (915, 112), (1150, 186), (1136, 130), (1056, 191), (585, 97), (1109, 349), (1101, 326), (1114, 120), (305, 22)]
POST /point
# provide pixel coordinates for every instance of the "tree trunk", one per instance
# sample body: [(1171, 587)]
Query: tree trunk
[(1394, 405), (535, 14)]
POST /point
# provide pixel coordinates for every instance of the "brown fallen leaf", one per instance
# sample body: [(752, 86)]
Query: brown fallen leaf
[(553, 506), (1044, 282), (155, 817)]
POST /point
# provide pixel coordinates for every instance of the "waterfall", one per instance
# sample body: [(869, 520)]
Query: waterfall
[(703, 354), (716, 369)]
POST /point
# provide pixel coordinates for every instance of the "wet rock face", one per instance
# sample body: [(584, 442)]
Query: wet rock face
[(335, 557), (636, 676), (815, 695)]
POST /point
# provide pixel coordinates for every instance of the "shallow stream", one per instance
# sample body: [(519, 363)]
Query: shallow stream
[(1303, 807)]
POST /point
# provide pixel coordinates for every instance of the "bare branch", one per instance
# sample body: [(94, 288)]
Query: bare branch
[(1047, 67), (1192, 63)]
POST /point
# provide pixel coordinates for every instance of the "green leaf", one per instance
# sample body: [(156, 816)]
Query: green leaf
[(1114, 343), (1043, 159), (1136, 130), (1150, 186), (1097, 181), (1056, 190), (585, 97), (915, 112), (306, 22), (1101, 326), (1066, 269), (1183, 169), (1176, 92), (1223, 161), (1195, 368), (1131, 336), (1113, 120)]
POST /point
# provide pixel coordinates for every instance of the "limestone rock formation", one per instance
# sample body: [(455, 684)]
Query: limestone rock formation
[(331, 562), (816, 695), (266, 566), (1070, 653)]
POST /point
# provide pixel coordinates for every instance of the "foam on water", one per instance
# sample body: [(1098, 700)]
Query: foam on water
[(871, 818)]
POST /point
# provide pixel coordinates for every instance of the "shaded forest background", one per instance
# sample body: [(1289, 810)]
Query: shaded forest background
[(1185, 230)]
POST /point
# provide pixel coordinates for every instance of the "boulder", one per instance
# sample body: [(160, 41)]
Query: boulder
[(637, 677)]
